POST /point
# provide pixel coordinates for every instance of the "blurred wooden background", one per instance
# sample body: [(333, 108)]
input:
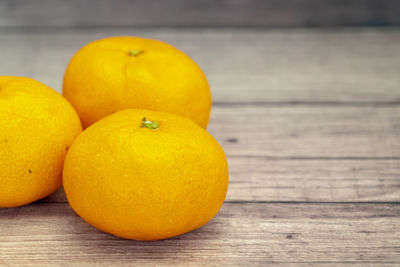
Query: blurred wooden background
[(181, 13), (306, 105)]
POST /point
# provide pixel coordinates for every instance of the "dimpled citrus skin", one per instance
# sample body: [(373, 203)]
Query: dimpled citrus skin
[(37, 125), (117, 73), (145, 184)]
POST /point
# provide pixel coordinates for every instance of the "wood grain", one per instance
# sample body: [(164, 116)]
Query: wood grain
[(302, 153), (345, 66), (75, 13), (309, 119), (241, 234), (259, 179), (307, 132), (256, 179)]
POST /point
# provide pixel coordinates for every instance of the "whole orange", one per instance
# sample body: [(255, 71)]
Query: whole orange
[(37, 125), (117, 73), (145, 175)]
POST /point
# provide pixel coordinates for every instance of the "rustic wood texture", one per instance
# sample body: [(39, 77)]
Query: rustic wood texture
[(310, 122), (86, 13), (258, 179), (241, 234), (243, 65), (308, 132)]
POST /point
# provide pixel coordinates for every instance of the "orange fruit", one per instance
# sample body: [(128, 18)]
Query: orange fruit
[(37, 125), (118, 73), (145, 175)]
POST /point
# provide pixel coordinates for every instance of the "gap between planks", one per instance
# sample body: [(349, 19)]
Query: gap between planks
[(317, 104)]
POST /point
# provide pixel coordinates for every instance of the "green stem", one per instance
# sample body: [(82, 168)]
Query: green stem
[(150, 124), (134, 53)]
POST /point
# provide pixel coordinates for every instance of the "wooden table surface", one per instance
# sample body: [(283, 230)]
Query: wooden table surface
[(310, 122)]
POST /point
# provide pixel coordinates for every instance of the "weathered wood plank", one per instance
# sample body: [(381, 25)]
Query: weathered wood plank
[(307, 132), (241, 234), (260, 179), (199, 13), (304, 153), (243, 65)]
